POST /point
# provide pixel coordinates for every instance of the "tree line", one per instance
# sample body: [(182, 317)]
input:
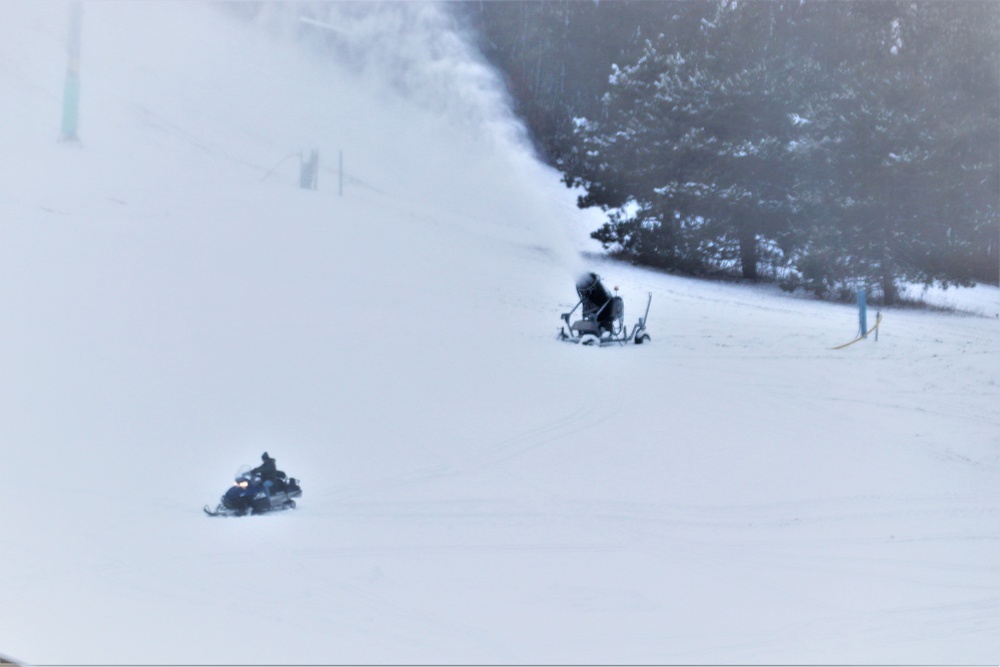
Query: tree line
[(823, 145)]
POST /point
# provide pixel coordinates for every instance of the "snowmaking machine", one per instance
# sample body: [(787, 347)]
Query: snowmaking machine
[(249, 495), (602, 316)]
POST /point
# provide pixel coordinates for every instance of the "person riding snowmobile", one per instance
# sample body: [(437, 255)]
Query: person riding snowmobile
[(258, 490), (267, 471)]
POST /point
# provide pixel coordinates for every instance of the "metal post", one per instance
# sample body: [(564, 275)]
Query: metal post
[(862, 312), (309, 171), (71, 89)]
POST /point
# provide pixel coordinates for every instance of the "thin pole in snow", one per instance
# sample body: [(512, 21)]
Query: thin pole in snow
[(71, 89), (862, 313)]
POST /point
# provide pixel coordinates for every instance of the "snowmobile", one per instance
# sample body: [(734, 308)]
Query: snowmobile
[(603, 315), (248, 495)]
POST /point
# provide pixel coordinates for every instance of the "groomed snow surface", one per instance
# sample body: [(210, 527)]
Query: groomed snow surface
[(474, 491)]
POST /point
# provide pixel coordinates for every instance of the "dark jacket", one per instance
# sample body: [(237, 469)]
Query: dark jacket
[(267, 470)]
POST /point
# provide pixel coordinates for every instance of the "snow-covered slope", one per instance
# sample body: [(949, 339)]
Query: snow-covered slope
[(474, 492)]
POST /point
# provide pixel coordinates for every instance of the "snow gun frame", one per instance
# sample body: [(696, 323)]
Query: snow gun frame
[(603, 316)]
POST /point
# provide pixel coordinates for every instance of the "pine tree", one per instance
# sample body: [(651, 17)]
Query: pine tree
[(910, 145), (855, 143), (702, 142)]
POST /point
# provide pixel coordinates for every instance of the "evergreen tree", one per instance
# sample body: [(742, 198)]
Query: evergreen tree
[(853, 142), (556, 54), (909, 145), (703, 143)]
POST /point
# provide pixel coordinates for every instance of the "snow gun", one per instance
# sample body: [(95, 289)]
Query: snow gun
[(602, 316)]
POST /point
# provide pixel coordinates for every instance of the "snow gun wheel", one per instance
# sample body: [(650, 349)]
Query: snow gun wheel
[(590, 340), (642, 338)]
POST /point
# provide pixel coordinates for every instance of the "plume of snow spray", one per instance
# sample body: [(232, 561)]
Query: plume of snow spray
[(416, 51)]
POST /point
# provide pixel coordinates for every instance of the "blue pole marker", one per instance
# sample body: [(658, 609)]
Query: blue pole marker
[(862, 312), (863, 321)]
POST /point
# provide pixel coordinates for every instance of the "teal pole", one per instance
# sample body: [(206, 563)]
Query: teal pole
[(71, 90)]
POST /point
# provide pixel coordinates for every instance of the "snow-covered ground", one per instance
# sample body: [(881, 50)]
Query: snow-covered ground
[(474, 491)]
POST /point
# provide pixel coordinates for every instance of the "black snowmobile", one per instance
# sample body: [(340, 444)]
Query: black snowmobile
[(248, 495)]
